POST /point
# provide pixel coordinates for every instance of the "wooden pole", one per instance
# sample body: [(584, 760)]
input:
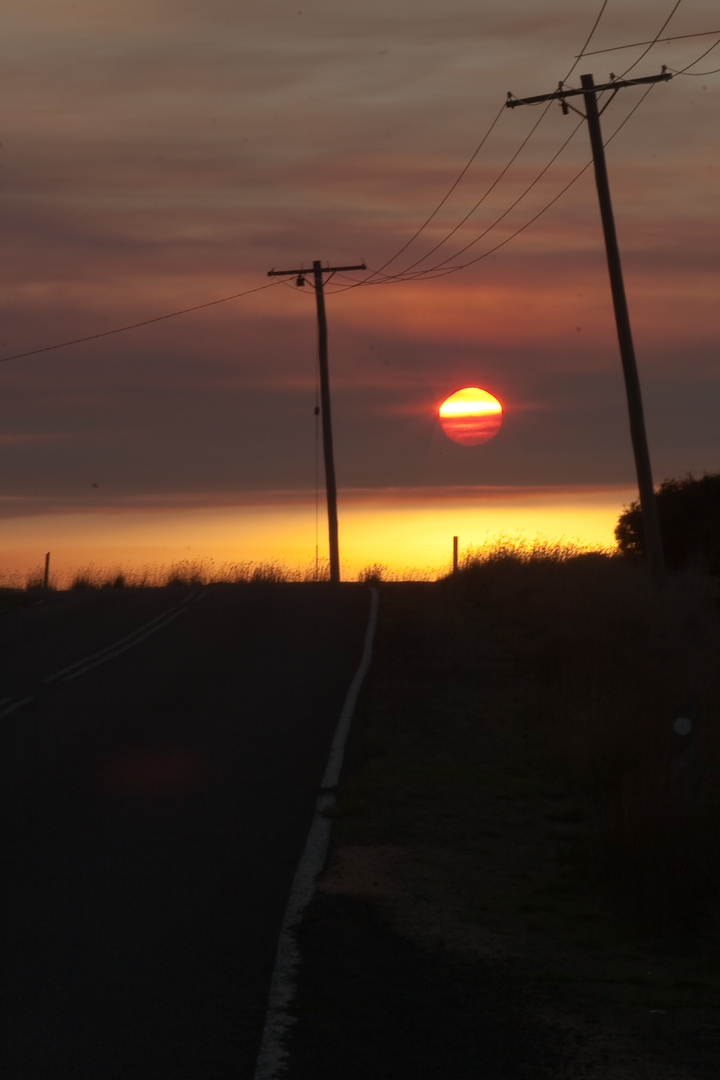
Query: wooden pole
[(46, 579), (648, 505), (589, 92), (330, 484), (455, 554)]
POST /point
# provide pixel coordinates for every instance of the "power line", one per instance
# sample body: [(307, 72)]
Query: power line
[(375, 274), (445, 198), (134, 326), (695, 74), (512, 206), (437, 271), (590, 36), (482, 200), (686, 71), (655, 41)]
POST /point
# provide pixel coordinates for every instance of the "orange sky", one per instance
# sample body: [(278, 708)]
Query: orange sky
[(161, 155), (406, 534)]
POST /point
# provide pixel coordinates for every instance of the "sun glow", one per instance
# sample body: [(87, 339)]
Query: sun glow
[(470, 416)]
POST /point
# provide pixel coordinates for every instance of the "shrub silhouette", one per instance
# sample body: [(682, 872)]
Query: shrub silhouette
[(689, 515)]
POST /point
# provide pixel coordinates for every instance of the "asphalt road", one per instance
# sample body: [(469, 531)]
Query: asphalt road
[(160, 756)]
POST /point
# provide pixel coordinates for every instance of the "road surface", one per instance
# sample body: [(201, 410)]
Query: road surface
[(160, 756)]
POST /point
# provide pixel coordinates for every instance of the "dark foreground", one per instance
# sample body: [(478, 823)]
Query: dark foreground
[(454, 935), (155, 802)]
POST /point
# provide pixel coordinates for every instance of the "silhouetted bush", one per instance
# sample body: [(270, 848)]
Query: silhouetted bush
[(689, 515), (372, 574)]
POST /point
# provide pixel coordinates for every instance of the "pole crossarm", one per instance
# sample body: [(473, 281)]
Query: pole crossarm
[(325, 270), (559, 94)]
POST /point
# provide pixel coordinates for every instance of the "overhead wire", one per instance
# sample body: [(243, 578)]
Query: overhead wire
[(507, 211), (440, 269), (372, 278), (444, 199), (686, 71), (480, 201), (589, 38), (502, 243), (653, 43), (135, 326)]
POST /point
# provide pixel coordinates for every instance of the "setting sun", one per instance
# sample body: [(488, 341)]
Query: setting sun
[(470, 416)]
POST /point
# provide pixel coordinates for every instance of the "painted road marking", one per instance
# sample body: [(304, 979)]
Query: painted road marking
[(272, 1058), (80, 667), (16, 705)]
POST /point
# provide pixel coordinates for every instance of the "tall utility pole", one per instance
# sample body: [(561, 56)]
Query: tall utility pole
[(589, 92), (330, 485)]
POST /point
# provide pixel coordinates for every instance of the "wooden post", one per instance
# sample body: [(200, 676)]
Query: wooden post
[(455, 554), (46, 579)]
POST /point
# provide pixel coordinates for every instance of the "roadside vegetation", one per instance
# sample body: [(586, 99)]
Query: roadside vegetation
[(517, 787), (202, 571)]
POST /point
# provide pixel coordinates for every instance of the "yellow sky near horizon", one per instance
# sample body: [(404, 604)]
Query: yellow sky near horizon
[(407, 535)]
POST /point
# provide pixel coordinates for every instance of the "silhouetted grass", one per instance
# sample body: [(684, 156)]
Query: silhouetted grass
[(606, 663), (203, 571), (511, 786)]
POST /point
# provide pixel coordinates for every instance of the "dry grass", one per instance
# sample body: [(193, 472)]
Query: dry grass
[(510, 786), (201, 571), (204, 571), (609, 662)]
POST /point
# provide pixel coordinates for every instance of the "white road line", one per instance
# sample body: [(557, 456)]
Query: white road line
[(18, 705), (116, 647), (272, 1057), (80, 667), (110, 654)]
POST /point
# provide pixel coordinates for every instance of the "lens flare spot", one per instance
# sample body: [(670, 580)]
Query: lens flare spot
[(470, 416)]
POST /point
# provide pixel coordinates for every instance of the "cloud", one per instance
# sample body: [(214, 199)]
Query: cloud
[(161, 155)]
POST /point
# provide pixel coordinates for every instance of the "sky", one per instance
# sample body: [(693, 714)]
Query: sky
[(162, 155)]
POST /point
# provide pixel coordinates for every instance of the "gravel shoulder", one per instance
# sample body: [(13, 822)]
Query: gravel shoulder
[(457, 930)]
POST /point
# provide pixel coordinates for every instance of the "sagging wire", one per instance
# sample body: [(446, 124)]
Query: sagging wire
[(653, 43), (471, 262), (135, 326), (374, 277), (686, 71)]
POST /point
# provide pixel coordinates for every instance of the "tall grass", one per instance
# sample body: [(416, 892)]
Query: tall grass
[(606, 663), (204, 571)]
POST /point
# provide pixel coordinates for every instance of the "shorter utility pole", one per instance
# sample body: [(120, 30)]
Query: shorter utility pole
[(589, 92), (330, 484)]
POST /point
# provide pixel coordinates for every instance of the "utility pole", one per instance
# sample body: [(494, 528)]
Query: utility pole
[(589, 92), (330, 485)]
